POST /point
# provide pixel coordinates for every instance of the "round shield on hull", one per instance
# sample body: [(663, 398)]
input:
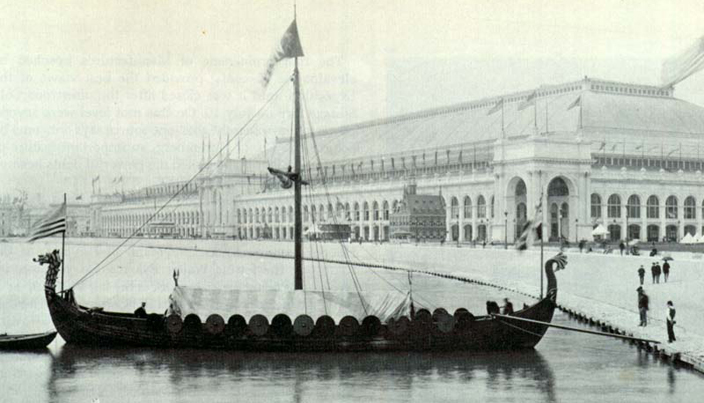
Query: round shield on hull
[(303, 325), (236, 325), (399, 326), (324, 326), (348, 326), (444, 322), (281, 325), (371, 326), (215, 324), (174, 324), (258, 325), (192, 323)]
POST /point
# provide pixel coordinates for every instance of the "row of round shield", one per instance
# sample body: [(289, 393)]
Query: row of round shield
[(324, 326)]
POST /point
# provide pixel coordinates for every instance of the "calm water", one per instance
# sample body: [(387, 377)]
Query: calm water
[(564, 367)]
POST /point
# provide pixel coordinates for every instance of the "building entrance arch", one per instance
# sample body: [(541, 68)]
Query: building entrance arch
[(559, 209)]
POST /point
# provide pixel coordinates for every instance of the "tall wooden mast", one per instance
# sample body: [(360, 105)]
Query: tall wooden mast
[(298, 228)]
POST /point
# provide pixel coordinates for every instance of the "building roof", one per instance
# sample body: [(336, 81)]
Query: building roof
[(611, 112)]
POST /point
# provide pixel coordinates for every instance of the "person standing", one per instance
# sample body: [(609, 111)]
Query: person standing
[(641, 274), (658, 271), (622, 247), (666, 270), (643, 306), (671, 322), (652, 271), (508, 307)]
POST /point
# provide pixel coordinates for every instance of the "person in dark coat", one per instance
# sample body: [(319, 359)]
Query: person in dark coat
[(641, 274), (658, 271), (666, 270), (652, 271), (492, 307), (141, 312), (670, 322), (508, 307), (643, 303), (621, 246)]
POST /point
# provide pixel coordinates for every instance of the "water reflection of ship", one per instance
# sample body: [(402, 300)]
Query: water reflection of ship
[(402, 370)]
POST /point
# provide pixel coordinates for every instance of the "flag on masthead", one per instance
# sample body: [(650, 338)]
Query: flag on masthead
[(52, 224), (290, 46)]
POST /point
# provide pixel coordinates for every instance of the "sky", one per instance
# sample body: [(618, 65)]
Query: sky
[(136, 89)]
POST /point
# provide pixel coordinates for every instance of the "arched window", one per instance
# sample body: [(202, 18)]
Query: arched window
[(375, 209), (558, 187), (633, 206), (653, 207), (481, 207), (671, 207), (386, 209), (690, 208), (467, 207), (366, 211), (454, 208), (314, 213), (596, 205), (614, 206), (330, 212), (356, 211), (492, 206), (305, 213)]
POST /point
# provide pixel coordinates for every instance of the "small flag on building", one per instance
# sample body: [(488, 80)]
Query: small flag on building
[(289, 47), (499, 105), (530, 101), (577, 102), (52, 224), (603, 146)]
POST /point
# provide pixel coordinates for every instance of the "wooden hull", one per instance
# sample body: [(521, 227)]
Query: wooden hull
[(26, 341), (78, 325)]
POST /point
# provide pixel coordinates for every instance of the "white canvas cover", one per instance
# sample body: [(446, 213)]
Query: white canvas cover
[(204, 302), (600, 230), (687, 239)]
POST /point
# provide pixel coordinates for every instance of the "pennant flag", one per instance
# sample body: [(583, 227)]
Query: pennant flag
[(639, 147), (531, 225), (289, 47), (577, 102), (683, 65), (97, 178), (52, 224), (671, 152), (79, 197), (603, 146), (496, 107), (530, 101), (614, 147)]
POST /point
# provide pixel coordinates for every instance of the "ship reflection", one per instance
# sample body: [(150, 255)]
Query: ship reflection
[(403, 372)]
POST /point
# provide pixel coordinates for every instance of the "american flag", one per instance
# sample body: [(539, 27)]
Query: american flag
[(52, 224)]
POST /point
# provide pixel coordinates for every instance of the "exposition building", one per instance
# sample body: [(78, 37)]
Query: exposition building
[(588, 152)]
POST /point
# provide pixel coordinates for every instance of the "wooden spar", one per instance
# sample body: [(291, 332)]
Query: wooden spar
[(63, 246), (575, 329), (298, 226)]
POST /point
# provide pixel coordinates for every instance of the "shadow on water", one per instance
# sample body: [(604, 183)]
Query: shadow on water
[(404, 371)]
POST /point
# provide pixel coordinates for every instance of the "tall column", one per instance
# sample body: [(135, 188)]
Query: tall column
[(663, 226), (643, 219)]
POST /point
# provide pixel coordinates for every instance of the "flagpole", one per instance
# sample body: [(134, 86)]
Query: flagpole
[(63, 248), (503, 131)]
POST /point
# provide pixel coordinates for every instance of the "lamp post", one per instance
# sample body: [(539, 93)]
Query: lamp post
[(576, 231), (505, 229), (627, 229)]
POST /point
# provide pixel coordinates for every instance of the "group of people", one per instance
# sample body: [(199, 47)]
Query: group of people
[(644, 306), (655, 271), (493, 308)]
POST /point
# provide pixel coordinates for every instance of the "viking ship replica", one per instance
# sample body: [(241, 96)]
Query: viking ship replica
[(299, 320)]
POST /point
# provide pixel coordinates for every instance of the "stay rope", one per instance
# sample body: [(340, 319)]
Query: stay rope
[(99, 266)]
